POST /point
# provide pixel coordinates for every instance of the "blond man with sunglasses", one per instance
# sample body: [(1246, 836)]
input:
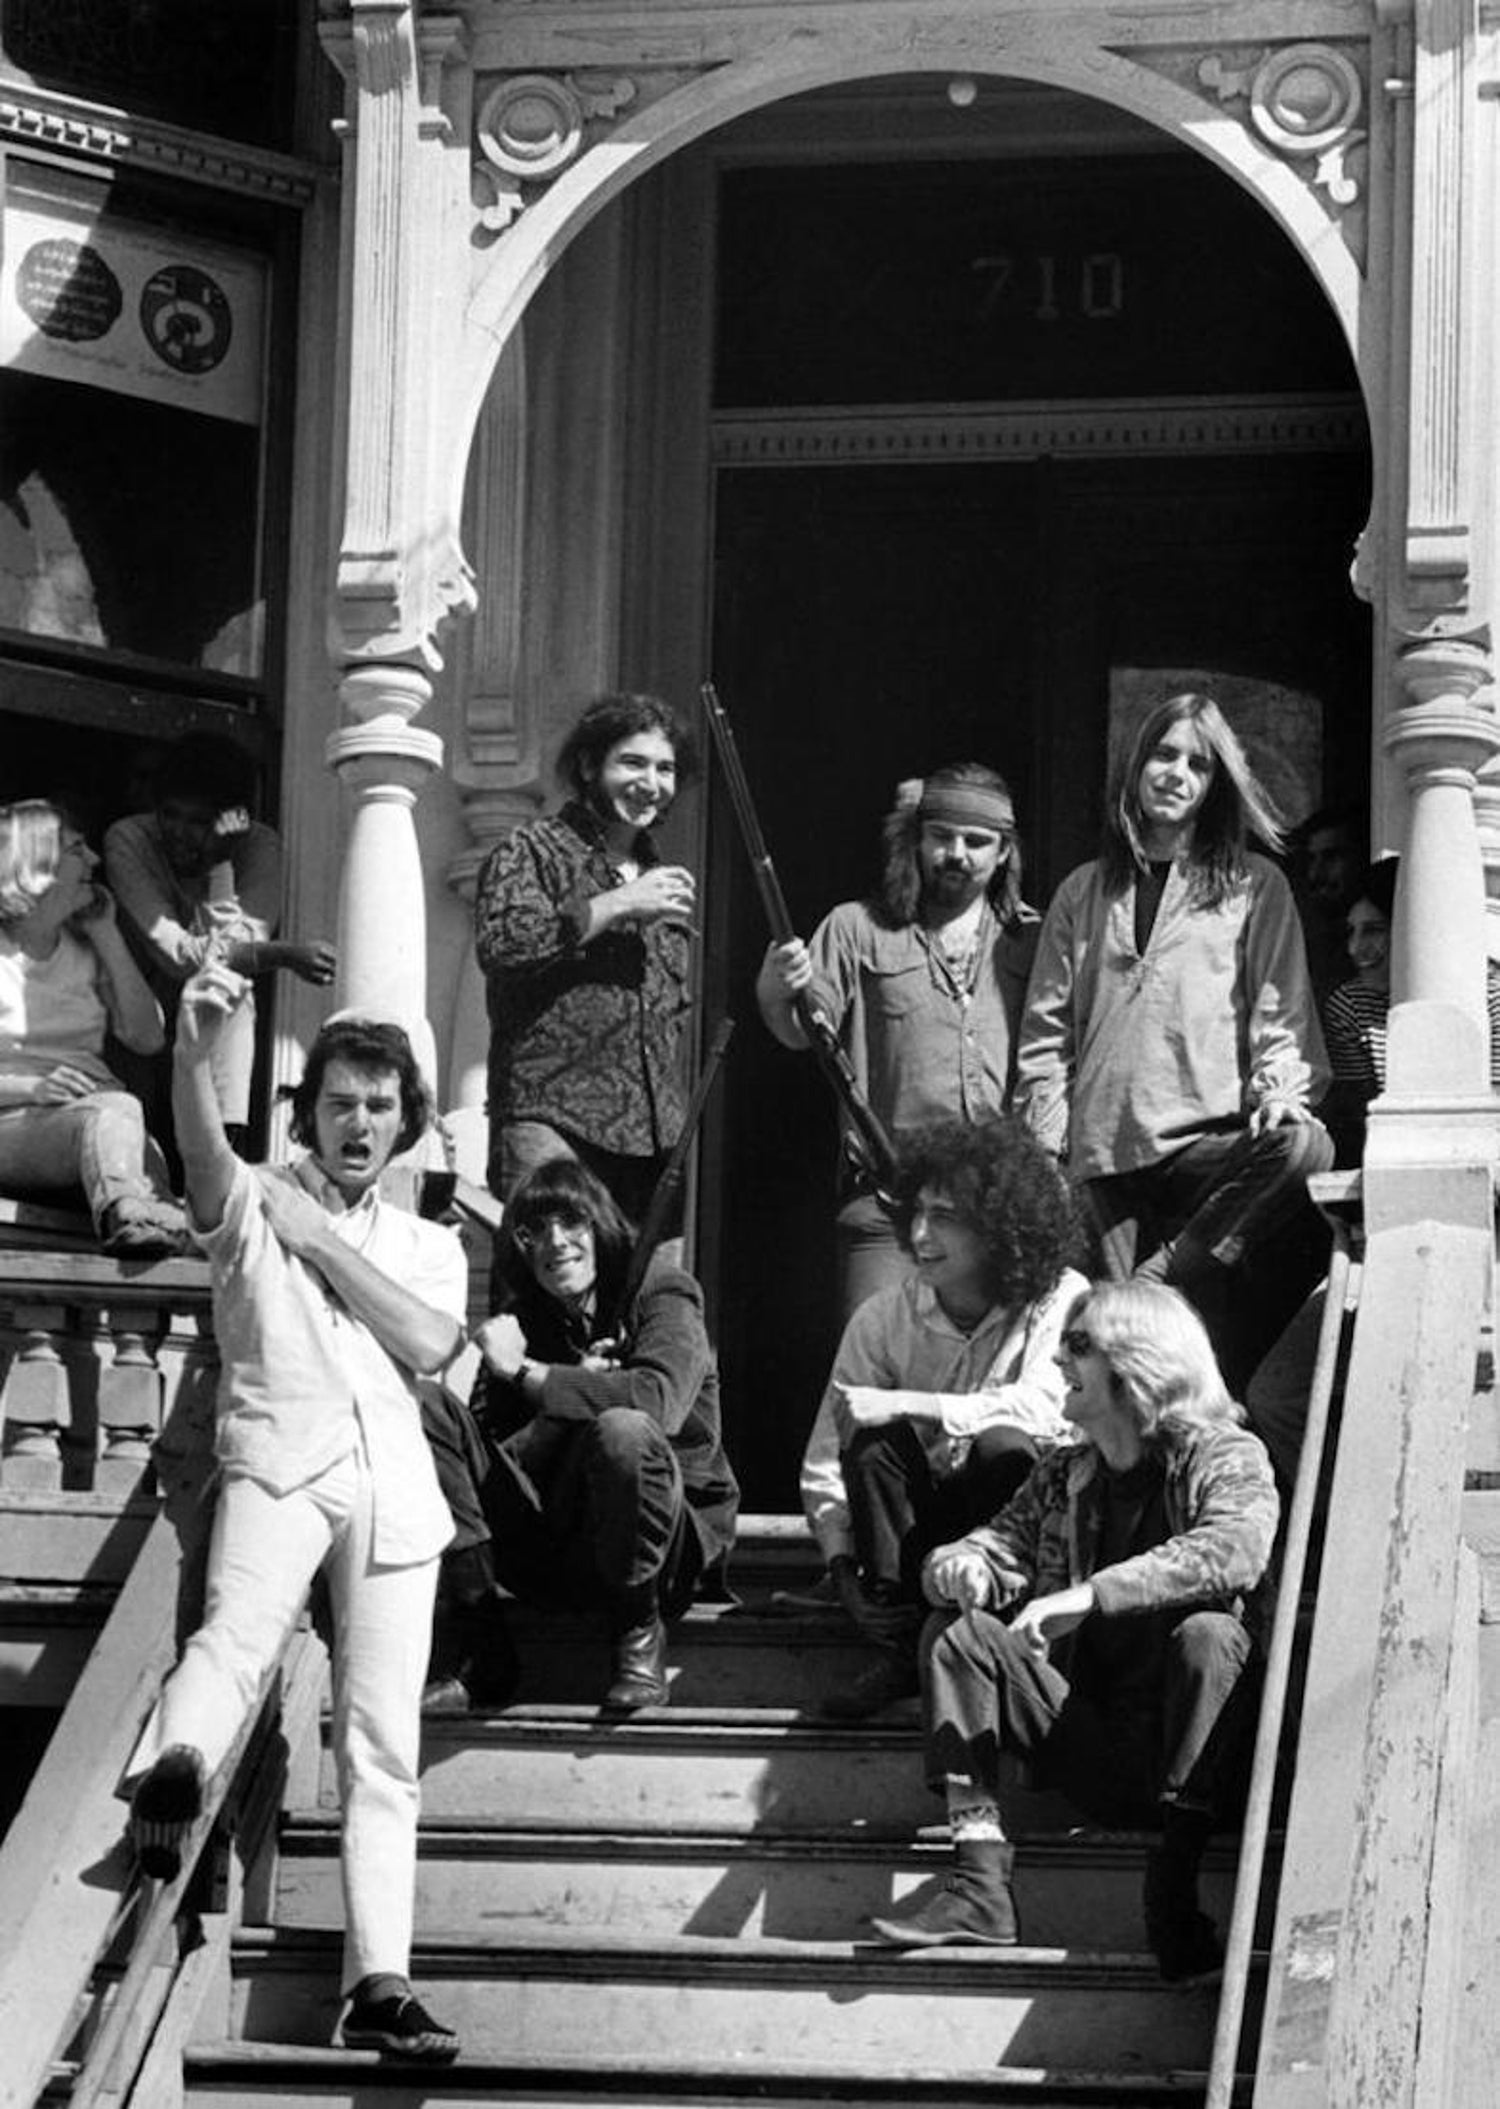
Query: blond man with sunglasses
[(1098, 1628)]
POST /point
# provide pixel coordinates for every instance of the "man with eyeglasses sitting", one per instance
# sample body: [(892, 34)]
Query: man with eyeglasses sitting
[(1098, 1628), (593, 1475)]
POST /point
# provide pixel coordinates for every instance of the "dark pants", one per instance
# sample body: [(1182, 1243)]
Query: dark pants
[(900, 1509), (985, 1692), (580, 1514), (1202, 1215)]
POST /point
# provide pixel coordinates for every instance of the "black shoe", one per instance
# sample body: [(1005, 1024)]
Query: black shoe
[(1183, 1939), (401, 2027), (975, 1908), (638, 1668), (165, 1806), (474, 1659), (889, 1677)]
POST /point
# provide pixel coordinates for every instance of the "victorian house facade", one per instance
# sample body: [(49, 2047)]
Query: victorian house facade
[(380, 380)]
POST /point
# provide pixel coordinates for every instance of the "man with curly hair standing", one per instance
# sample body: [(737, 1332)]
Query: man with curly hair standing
[(945, 1387), (924, 983), (582, 933)]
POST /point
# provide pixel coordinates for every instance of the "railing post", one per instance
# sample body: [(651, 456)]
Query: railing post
[(36, 1399)]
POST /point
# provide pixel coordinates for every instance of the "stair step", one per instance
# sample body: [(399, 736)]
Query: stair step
[(787, 2001), (1078, 1890), (718, 1770), (236, 2075), (717, 1655)]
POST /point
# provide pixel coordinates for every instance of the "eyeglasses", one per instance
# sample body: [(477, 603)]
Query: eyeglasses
[(1077, 1342), (575, 1228)]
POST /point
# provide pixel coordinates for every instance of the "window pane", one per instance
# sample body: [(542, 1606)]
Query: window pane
[(131, 382)]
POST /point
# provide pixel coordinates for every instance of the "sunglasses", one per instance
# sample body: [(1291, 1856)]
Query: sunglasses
[(1077, 1342)]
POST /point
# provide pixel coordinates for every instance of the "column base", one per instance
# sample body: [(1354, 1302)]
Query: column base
[(1431, 1160)]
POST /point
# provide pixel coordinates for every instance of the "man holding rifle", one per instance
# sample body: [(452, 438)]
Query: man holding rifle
[(924, 983), (582, 933)]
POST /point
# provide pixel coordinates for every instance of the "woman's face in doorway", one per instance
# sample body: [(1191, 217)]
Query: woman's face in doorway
[(1369, 944)]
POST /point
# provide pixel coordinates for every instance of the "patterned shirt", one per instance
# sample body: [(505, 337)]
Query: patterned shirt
[(1221, 1510), (583, 1037)]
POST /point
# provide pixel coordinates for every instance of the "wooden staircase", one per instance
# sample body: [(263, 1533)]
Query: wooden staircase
[(670, 1907)]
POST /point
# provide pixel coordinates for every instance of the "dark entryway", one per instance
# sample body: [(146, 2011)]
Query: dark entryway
[(871, 623)]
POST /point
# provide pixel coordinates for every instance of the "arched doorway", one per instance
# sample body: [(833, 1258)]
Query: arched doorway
[(998, 439)]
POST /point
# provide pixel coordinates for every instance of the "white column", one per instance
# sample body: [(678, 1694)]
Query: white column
[(384, 760)]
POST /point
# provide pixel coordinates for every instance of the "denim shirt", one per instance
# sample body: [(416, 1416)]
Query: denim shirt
[(922, 1047)]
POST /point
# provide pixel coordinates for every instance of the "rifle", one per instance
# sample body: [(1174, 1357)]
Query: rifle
[(664, 1193), (865, 1135)]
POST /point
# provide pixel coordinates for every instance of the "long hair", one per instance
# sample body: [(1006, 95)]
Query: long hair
[(1006, 1189), (1237, 805), (1162, 1359), (564, 1187), (377, 1047), (901, 834), (31, 833), (617, 717)]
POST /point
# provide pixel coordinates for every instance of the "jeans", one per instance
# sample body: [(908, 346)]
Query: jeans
[(99, 1143), (1206, 1213), (264, 1552), (581, 1514), (986, 1693)]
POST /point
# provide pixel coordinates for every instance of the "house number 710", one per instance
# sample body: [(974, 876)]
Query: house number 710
[(1098, 288)]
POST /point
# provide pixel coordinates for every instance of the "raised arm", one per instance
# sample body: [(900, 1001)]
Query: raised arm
[(208, 1162)]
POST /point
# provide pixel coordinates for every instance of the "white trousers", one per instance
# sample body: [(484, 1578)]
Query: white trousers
[(264, 1552)]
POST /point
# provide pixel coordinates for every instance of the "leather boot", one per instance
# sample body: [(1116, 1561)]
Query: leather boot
[(1182, 1937), (975, 1907), (638, 1667)]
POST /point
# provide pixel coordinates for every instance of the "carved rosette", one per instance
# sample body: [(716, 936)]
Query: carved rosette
[(530, 126), (1306, 101)]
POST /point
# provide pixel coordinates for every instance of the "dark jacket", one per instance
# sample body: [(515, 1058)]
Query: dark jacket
[(668, 1371)]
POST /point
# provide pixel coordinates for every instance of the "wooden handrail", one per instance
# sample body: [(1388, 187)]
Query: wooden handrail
[(69, 1883), (65, 1866), (107, 2074), (1294, 1560)]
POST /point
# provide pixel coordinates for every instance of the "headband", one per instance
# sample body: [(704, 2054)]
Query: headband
[(967, 805)]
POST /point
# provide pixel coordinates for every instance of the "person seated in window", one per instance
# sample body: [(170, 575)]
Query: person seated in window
[(66, 976), (1355, 1015), (197, 875), (593, 1476), (1097, 1629), (945, 1386)]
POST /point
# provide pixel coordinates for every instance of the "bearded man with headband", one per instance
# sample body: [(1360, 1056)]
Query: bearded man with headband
[(925, 983)]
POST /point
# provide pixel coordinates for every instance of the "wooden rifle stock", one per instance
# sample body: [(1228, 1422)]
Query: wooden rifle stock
[(869, 1143)]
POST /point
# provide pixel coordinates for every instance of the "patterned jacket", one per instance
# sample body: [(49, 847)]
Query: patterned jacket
[(1221, 1506), (583, 1037)]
